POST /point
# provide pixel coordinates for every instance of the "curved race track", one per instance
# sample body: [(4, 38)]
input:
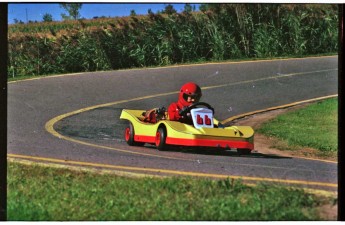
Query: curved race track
[(74, 119)]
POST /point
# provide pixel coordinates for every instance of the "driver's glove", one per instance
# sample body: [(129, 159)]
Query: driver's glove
[(183, 111)]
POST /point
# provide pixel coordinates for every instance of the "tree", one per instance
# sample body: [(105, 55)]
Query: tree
[(16, 21), (188, 8), (203, 7), (72, 9), (133, 13), (47, 17), (149, 11), (169, 9)]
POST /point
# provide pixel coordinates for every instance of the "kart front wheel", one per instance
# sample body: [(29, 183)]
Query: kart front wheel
[(129, 136), (160, 139)]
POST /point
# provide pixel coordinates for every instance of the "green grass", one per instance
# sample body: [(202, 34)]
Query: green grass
[(43, 193), (314, 126)]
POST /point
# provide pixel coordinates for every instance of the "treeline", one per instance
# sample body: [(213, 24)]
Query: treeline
[(218, 32)]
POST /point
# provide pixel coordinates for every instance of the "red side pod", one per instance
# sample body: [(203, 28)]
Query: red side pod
[(198, 142), (143, 138), (210, 143)]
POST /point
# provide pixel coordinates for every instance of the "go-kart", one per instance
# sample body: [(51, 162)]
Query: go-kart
[(205, 131)]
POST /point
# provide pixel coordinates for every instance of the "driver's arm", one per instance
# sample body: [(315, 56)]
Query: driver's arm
[(173, 112)]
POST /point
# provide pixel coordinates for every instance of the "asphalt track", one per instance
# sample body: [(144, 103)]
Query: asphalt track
[(74, 119)]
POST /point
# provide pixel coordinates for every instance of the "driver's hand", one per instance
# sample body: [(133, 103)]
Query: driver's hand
[(183, 111)]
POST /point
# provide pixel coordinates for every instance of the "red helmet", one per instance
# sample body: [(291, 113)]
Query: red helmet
[(189, 90)]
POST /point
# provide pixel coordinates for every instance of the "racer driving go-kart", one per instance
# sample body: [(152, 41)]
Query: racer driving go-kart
[(190, 93), (187, 122)]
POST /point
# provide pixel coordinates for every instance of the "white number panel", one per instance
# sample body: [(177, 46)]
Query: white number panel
[(202, 117)]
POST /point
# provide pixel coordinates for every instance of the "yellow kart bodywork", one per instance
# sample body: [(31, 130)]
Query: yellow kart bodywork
[(177, 133)]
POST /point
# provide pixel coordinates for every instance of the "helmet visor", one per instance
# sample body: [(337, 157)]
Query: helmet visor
[(193, 97)]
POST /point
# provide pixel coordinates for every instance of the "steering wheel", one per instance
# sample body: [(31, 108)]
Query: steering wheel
[(187, 109)]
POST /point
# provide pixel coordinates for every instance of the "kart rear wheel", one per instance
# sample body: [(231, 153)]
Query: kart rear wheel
[(243, 151), (129, 136), (160, 139)]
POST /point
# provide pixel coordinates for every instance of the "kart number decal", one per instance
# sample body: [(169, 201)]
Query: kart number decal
[(202, 118), (202, 121)]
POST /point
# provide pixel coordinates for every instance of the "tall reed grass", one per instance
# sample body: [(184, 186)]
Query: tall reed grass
[(223, 32)]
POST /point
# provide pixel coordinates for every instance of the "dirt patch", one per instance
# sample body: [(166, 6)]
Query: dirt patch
[(328, 212), (266, 145)]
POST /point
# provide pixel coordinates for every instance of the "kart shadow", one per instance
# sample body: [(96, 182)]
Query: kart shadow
[(220, 152)]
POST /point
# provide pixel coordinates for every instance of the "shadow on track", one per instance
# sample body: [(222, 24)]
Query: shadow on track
[(218, 152)]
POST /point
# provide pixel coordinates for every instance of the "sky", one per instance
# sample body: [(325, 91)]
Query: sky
[(35, 11)]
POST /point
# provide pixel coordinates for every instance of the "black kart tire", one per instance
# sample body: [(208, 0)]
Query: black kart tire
[(129, 136), (160, 139)]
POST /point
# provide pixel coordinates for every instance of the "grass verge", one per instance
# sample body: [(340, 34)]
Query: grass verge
[(314, 126), (44, 193)]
